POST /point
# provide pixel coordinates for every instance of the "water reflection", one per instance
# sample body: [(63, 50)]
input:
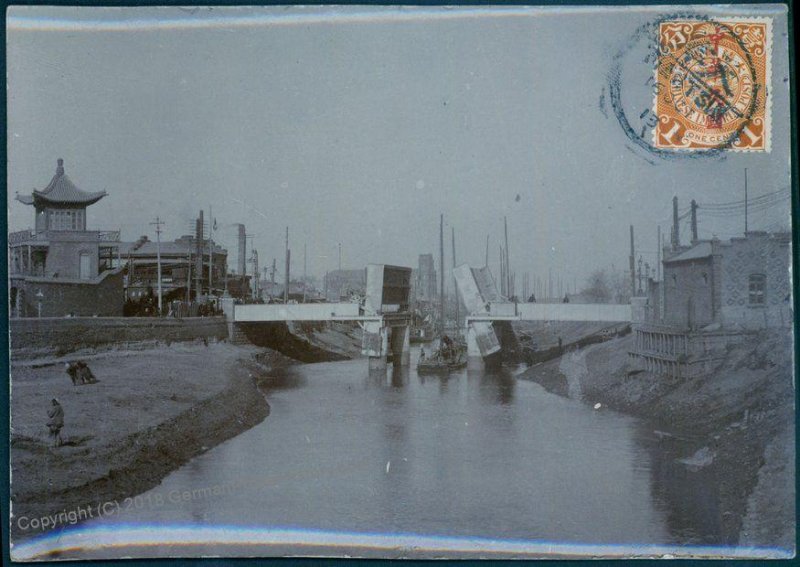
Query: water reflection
[(459, 454), (689, 497), (282, 378), (496, 384)]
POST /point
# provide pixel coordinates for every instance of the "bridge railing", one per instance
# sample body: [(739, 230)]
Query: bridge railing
[(558, 312), (258, 313)]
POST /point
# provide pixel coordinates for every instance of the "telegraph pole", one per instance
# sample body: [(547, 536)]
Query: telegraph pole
[(632, 267), (658, 252), (455, 283), (305, 266), (286, 279), (272, 290), (210, 248), (694, 221), (508, 257), (199, 259), (441, 270), (157, 223), (745, 201)]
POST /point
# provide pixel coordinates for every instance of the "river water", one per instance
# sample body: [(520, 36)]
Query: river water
[(472, 455)]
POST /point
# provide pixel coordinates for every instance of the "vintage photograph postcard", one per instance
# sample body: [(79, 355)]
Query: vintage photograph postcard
[(400, 282)]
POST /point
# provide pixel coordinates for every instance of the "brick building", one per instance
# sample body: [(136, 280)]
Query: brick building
[(712, 294), (179, 261), (59, 267), (742, 283)]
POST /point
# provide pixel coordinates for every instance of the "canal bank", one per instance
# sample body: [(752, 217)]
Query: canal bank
[(151, 412), (737, 423)]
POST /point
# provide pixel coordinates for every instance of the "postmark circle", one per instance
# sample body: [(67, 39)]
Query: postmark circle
[(711, 86)]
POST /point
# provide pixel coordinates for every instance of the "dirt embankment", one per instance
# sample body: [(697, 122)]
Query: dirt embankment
[(151, 411), (740, 420)]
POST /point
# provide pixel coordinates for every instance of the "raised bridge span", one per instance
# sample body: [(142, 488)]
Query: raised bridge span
[(485, 306)]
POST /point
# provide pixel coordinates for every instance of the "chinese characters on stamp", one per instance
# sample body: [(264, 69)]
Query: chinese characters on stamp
[(712, 85)]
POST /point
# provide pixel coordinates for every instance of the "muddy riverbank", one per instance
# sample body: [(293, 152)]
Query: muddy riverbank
[(739, 422), (151, 411)]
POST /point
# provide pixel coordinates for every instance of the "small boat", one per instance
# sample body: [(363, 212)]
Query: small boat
[(422, 334), (444, 359)]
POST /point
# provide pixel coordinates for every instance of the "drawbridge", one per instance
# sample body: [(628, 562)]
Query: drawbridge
[(385, 316), (486, 306)]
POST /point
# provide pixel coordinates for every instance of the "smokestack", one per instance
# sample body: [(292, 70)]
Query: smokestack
[(242, 263), (676, 238), (694, 221)]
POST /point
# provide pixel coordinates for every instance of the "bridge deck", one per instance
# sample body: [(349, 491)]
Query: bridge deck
[(258, 313), (601, 312)]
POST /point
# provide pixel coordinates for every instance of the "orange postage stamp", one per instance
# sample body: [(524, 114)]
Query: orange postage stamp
[(713, 85)]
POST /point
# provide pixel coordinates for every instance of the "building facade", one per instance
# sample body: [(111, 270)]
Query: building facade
[(713, 293), (59, 267), (180, 278)]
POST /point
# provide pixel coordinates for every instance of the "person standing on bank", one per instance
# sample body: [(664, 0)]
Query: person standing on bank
[(56, 422)]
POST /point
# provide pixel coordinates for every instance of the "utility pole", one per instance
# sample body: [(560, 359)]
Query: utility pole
[(455, 283), (486, 261), (694, 221), (658, 255), (640, 275), (745, 201), (157, 223), (508, 257), (304, 271), (272, 290), (502, 272), (210, 248), (632, 267), (286, 278), (189, 275), (255, 290), (340, 258), (676, 236), (198, 272), (441, 271)]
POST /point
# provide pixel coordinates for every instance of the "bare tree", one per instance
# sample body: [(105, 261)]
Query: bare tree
[(597, 288)]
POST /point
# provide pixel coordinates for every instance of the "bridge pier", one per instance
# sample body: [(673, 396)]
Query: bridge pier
[(401, 347), (474, 356), (375, 344)]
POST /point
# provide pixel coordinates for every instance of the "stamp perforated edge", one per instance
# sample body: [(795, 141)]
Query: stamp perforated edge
[(767, 86)]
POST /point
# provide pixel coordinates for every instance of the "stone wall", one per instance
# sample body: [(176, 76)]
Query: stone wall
[(102, 297), (70, 334)]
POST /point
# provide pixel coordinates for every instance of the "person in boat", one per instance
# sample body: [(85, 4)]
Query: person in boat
[(447, 346)]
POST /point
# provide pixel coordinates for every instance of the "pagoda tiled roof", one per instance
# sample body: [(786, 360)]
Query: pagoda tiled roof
[(61, 190)]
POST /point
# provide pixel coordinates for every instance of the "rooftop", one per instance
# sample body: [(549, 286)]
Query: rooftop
[(61, 191)]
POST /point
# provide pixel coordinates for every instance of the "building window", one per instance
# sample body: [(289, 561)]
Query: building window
[(757, 289), (705, 278), (66, 220), (674, 280)]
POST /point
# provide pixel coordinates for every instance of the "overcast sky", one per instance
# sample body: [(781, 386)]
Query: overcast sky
[(361, 125)]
